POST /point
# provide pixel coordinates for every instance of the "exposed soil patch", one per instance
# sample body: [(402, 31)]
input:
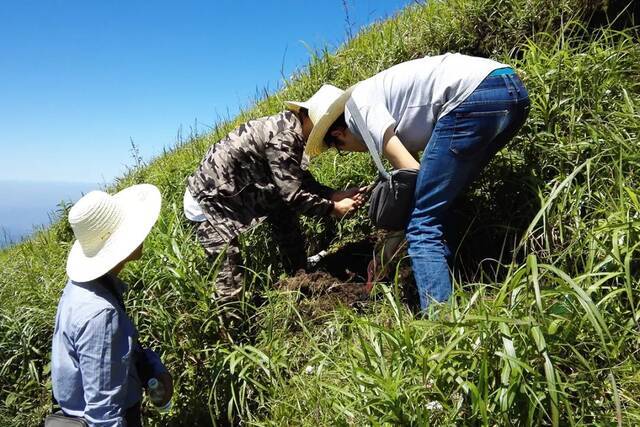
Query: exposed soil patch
[(323, 293), (340, 279)]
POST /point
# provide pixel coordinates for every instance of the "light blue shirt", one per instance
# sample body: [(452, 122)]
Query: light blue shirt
[(93, 354)]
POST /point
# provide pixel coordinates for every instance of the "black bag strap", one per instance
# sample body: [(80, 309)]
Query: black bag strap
[(366, 135)]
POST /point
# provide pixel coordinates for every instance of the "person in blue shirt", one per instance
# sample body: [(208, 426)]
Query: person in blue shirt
[(98, 368)]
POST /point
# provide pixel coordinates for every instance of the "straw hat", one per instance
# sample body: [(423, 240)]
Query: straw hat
[(325, 106), (109, 228)]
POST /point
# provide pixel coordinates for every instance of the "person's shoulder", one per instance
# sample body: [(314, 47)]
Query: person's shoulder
[(86, 302), (266, 127), (365, 92), (286, 125), (286, 115), (284, 120)]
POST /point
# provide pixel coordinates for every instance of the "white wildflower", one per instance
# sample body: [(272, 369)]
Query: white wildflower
[(434, 406), (621, 239), (476, 344), (309, 370)]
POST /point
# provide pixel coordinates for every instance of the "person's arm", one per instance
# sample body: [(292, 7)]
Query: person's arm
[(284, 156), (311, 184), (396, 153), (104, 352)]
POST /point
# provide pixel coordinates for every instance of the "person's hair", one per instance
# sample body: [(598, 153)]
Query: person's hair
[(339, 124), (303, 112)]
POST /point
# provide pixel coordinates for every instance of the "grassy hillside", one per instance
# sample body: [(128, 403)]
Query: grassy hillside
[(543, 328)]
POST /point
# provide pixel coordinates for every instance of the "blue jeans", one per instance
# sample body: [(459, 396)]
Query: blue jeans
[(461, 144)]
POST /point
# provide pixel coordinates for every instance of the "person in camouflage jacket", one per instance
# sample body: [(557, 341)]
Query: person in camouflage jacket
[(257, 172)]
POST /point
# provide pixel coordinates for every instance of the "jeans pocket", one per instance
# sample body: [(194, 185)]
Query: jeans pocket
[(474, 130)]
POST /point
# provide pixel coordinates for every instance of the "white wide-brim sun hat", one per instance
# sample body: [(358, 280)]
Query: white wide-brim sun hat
[(108, 228), (324, 107)]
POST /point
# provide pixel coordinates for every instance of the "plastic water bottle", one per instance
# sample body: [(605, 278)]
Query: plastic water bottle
[(157, 395)]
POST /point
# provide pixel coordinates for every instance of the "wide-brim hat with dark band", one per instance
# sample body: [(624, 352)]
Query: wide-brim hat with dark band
[(324, 107), (108, 228)]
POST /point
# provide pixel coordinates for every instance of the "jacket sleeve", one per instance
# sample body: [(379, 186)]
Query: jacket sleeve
[(104, 351), (296, 186), (310, 183)]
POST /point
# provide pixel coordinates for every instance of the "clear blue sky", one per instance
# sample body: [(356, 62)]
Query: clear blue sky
[(78, 79)]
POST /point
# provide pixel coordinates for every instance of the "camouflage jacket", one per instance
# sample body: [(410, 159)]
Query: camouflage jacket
[(256, 170)]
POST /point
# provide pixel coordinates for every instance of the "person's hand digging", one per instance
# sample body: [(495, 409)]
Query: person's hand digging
[(344, 207), (357, 194)]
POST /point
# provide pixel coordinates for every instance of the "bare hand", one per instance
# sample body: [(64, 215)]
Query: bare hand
[(346, 194), (355, 193), (344, 207)]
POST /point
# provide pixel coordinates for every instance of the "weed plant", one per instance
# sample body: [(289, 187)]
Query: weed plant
[(544, 330)]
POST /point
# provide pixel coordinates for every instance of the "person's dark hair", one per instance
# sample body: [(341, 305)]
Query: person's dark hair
[(300, 113), (303, 112), (339, 124)]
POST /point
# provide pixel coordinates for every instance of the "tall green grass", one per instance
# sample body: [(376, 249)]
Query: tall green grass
[(545, 331), (555, 340)]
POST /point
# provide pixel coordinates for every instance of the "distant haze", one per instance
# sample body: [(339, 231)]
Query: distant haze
[(26, 204)]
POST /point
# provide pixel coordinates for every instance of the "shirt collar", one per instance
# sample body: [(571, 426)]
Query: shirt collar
[(102, 282)]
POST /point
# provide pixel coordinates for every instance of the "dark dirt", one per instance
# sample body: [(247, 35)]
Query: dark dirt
[(339, 279), (322, 293)]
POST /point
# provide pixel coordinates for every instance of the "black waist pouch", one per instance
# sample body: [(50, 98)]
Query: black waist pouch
[(393, 199)]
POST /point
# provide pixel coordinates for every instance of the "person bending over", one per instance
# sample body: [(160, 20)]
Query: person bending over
[(461, 111), (259, 172)]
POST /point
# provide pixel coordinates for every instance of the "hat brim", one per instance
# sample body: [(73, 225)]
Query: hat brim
[(295, 105), (141, 204), (315, 142)]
